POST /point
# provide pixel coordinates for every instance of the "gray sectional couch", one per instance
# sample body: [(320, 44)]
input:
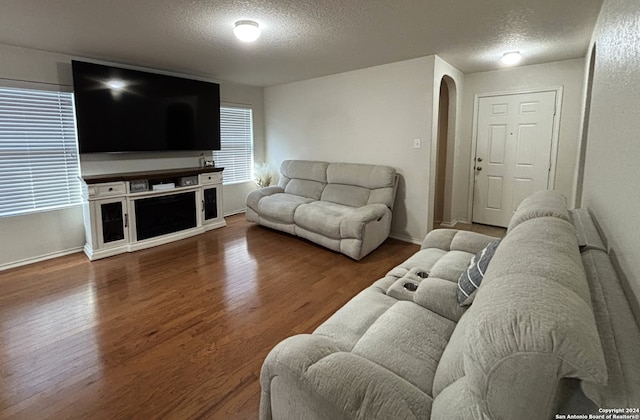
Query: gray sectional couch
[(346, 207), (550, 331)]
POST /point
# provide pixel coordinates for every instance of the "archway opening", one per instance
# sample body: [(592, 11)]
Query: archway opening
[(444, 153)]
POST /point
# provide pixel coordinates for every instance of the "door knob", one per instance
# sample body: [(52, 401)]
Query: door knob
[(478, 168), (479, 159)]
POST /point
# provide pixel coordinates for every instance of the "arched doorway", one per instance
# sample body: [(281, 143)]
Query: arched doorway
[(445, 147)]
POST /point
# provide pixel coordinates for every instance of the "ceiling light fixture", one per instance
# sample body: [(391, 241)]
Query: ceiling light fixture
[(511, 58), (246, 30)]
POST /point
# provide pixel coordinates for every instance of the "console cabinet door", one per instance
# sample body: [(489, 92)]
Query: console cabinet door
[(211, 204), (111, 222)]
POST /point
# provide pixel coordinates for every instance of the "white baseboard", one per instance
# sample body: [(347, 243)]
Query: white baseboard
[(44, 257), (453, 223), (234, 212), (406, 239)]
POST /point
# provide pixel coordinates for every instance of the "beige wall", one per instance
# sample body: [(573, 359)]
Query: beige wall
[(363, 116), (40, 235), (568, 74), (611, 188)]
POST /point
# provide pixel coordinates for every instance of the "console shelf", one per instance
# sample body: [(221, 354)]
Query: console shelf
[(126, 212)]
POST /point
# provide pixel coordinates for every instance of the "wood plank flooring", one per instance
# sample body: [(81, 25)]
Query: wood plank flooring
[(178, 331)]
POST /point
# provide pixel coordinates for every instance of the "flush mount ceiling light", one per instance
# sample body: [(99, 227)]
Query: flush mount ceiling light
[(246, 30), (511, 58)]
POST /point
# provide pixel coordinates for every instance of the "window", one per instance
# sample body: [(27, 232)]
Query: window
[(39, 167), (236, 143)]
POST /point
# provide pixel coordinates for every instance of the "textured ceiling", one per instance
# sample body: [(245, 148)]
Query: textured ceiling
[(301, 39)]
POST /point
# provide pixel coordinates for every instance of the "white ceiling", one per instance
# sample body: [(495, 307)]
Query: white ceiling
[(301, 39)]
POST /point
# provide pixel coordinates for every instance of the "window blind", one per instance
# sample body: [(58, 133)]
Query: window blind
[(38, 151), (236, 144)]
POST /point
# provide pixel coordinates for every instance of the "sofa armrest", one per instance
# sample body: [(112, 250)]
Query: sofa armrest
[(255, 196), (352, 224), (341, 384)]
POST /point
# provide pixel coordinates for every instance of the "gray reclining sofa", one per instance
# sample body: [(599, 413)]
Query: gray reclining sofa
[(345, 207), (549, 332)]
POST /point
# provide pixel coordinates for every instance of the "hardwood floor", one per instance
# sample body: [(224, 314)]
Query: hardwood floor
[(178, 331)]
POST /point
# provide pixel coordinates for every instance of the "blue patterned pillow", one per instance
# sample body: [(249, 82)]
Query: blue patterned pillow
[(470, 280)]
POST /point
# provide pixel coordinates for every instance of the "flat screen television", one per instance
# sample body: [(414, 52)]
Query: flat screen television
[(122, 110)]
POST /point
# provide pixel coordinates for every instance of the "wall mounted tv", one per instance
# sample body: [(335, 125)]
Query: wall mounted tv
[(122, 110)]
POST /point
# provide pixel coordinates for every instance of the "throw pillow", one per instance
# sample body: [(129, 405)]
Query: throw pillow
[(470, 280)]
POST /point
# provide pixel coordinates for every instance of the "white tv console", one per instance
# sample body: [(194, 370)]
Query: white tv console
[(131, 211)]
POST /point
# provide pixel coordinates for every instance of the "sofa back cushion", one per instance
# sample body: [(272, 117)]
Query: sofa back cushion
[(540, 204), (303, 177), (530, 325), (357, 185)]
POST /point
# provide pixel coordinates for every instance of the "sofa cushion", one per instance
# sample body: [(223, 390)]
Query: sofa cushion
[(322, 217), (470, 280), (396, 341), (366, 176), (303, 177), (379, 180), (349, 323), (305, 188), (305, 169), (348, 195), (280, 207), (451, 266), (456, 240)]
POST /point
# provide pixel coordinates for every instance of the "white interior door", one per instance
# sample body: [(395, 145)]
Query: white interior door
[(513, 153)]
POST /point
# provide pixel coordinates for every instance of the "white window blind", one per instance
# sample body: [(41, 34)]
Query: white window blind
[(38, 151), (236, 144)]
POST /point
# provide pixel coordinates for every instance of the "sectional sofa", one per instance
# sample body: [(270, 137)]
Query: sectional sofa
[(549, 331), (346, 207)]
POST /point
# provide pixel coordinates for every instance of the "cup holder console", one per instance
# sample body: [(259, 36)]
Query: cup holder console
[(412, 287)]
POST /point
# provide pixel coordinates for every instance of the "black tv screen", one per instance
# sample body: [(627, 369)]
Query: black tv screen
[(122, 110)]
